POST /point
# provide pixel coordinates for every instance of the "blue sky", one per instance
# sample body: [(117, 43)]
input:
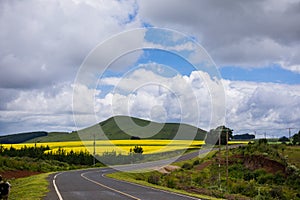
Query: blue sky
[(256, 49), (272, 74)]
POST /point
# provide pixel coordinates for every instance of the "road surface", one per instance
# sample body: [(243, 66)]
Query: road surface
[(92, 184)]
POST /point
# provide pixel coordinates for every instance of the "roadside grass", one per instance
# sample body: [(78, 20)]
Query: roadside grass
[(207, 157), (135, 178), (293, 154), (29, 188), (139, 177)]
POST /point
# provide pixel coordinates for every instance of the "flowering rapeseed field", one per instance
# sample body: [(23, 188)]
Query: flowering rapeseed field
[(119, 146)]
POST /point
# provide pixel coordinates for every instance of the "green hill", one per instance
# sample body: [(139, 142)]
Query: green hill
[(121, 128), (56, 137), (124, 127), (21, 137)]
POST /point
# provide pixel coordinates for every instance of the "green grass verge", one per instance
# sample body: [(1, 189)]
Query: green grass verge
[(130, 177), (293, 153), (29, 188), (207, 157)]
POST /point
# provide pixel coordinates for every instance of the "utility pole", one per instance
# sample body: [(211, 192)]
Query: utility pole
[(227, 158), (94, 153), (220, 160)]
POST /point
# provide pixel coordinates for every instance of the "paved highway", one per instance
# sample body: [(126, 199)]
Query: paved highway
[(92, 184)]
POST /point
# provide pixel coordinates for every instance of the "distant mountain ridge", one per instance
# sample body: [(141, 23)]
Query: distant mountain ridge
[(116, 128)]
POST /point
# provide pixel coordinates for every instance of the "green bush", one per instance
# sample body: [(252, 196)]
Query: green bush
[(248, 175), (259, 172), (187, 166), (200, 179), (154, 179), (278, 178), (277, 193), (250, 189), (171, 182), (266, 178), (196, 162), (236, 171)]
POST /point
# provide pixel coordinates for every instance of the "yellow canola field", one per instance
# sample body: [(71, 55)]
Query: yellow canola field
[(238, 142), (119, 146)]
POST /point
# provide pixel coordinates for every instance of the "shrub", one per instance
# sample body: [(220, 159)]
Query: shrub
[(248, 175), (277, 193), (250, 189), (262, 141), (196, 162), (154, 179), (278, 178), (259, 172), (187, 166), (171, 182), (266, 178)]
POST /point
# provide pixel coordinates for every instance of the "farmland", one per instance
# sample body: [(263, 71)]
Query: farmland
[(119, 146)]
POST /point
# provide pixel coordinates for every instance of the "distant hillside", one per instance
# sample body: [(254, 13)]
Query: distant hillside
[(21, 137), (56, 137), (121, 127), (244, 137), (118, 127)]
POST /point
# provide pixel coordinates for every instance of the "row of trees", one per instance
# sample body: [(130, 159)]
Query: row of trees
[(221, 132), (71, 157)]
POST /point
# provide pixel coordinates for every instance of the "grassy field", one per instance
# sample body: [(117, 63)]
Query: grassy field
[(256, 171), (29, 188), (293, 155)]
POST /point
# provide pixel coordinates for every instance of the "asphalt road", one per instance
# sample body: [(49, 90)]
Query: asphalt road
[(92, 184)]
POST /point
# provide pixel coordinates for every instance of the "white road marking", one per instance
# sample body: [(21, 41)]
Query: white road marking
[(107, 187), (56, 188), (182, 195)]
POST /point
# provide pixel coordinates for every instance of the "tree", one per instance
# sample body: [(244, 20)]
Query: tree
[(283, 139), (138, 149), (212, 136), (296, 138)]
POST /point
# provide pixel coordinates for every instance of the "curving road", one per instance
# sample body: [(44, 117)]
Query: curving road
[(92, 184)]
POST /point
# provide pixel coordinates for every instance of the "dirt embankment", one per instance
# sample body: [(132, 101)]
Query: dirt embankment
[(255, 162), (17, 174), (252, 162), (167, 169)]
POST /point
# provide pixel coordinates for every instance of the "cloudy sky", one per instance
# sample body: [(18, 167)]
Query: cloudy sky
[(246, 51)]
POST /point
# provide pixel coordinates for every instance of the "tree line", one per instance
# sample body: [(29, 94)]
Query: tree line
[(70, 157)]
